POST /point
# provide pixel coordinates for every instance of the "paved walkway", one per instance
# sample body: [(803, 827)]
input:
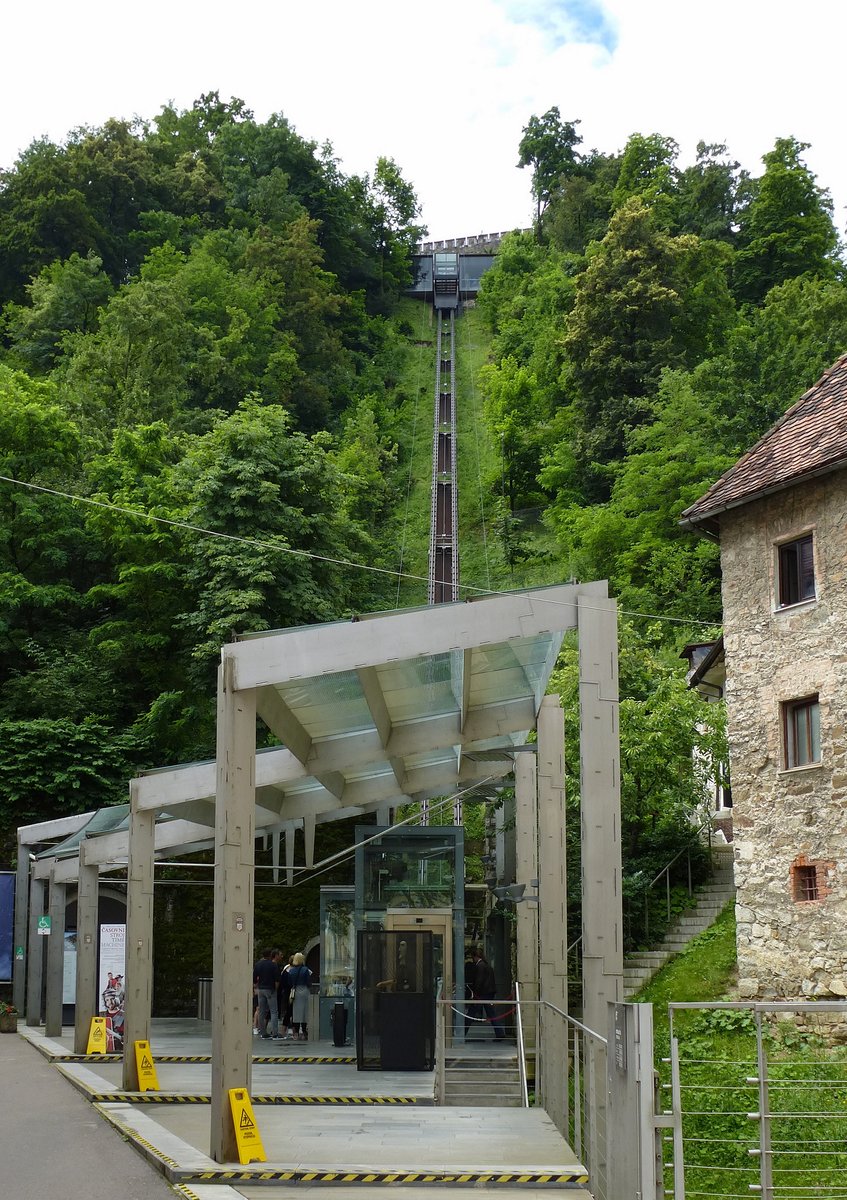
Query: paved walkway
[(369, 1127), (53, 1143)]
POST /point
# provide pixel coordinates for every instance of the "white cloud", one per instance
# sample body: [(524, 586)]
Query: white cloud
[(444, 90)]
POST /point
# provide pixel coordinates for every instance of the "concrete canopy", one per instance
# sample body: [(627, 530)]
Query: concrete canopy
[(371, 713), (385, 708)]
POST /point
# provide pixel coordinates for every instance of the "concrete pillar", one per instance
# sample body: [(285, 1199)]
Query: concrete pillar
[(20, 935), (602, 921), (55, 960), (87, 930), (35, 966), (232, 972), (309, 840), (553, 906), (289, 833), (526, 856), (139, 936)]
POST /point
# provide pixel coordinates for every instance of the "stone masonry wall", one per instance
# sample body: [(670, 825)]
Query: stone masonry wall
[(788, 820)]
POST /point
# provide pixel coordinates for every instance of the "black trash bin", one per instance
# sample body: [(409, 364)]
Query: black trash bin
[(339, 1023), (204, 998)]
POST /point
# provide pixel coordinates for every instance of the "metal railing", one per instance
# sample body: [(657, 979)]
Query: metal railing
[(758, 1100), (665, 874), (575, 1099), (521, 1047)]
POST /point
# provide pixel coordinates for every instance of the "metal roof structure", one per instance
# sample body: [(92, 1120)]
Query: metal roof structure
[(371, 713)]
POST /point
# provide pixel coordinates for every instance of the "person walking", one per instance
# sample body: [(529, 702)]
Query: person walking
[(479, 975), (266, 981), (299, 978)]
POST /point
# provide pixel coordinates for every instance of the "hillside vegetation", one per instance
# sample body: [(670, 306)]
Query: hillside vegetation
[(203, 329)]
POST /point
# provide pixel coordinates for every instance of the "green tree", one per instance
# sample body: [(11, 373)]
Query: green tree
[(548, 146), (648, 170), (710, 193), (65, 297), (46, 558), (786, 230), (253, 477), (634, 539)]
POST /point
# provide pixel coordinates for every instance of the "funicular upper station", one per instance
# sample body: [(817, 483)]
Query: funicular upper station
[(437, 707)]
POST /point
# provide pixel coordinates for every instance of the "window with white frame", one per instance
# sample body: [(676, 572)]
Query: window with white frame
[(795, 571), (801, 731)]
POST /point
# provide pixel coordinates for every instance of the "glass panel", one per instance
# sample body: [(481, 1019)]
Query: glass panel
[(338, 945), (329, 704), (802, 734)]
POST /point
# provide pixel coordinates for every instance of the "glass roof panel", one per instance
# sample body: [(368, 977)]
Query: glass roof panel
[(326, 705), (510, 670), (105, 820), (418, 687)]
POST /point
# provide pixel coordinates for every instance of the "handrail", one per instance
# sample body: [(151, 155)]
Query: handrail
[(686, 850), (521, 1048)]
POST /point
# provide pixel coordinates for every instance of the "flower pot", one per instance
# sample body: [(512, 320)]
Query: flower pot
[(8, 1022)]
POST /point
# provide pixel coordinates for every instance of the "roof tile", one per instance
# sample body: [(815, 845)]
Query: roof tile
[(809, 439)]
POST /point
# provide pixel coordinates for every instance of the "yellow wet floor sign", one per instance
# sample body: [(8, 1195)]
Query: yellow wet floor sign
[(96, 1036), (250, 1147), (146, 1068)]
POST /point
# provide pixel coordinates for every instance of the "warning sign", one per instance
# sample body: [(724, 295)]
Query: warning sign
[(250, 1147), (146, 1068), (96, 1036)]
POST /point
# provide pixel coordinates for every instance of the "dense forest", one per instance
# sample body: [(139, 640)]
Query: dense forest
[(208, 379)]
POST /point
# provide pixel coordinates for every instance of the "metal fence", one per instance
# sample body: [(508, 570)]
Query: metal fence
[(584, 1092), (575, 1098), (756, 1101)]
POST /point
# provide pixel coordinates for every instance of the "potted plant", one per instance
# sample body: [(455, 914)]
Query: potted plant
[(8, 1018)]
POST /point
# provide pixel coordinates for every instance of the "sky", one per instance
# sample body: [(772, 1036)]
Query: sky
[(445, 88)]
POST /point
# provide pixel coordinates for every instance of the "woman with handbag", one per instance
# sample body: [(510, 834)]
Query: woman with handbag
[(299, 979)]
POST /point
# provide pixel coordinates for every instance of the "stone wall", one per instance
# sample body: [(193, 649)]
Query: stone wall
[(788, 819)]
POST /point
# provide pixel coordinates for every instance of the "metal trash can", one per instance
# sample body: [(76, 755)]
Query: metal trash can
[(339, 1024), (204, 998)]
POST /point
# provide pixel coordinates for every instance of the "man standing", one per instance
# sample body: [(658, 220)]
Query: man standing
[(479, 976), (266, 982)]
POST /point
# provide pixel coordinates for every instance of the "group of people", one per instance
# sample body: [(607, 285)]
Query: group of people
[(281, 997)]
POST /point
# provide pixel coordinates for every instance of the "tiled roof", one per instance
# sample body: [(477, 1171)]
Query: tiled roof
[(809, 439)]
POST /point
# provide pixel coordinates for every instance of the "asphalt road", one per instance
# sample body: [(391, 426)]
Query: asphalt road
[(54, 1143)]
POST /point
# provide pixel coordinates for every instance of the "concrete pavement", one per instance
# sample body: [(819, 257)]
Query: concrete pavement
[(320, 1122)]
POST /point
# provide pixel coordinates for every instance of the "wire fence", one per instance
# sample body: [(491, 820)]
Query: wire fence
[(758, 1094)]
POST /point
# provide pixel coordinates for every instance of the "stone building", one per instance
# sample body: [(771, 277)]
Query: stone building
[(781, 517)]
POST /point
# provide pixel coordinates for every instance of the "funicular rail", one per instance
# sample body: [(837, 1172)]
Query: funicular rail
[(443, 584)]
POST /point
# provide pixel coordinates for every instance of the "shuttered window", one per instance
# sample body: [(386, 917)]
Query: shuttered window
[(796, 571)]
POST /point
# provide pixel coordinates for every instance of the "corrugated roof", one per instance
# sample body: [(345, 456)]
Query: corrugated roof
[(809, 439)]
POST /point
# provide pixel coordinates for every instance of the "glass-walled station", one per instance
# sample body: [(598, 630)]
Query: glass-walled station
[(407, 879)]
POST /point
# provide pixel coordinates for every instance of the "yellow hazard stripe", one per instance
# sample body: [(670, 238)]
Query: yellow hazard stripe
[(183, 1098), (577, 1175)]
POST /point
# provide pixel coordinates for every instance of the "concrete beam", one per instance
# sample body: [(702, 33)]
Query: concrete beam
[(373, 640)]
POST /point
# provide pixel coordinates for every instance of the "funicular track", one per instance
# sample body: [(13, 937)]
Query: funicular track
[(444, 537)]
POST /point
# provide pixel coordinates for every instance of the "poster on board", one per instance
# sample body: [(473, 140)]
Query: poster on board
[(111, 988), (7, 924), (69, 968)]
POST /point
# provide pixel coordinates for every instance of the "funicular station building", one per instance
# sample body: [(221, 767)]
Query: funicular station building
[(372, 714)]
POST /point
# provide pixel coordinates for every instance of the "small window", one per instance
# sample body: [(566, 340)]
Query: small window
[(805, 883), (796, 569), (802, 732)]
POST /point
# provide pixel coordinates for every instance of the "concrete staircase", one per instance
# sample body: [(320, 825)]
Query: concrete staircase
[(475, 1079), (708, 901)]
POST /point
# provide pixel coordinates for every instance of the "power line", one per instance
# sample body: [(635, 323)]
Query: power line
[(257, 543)]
